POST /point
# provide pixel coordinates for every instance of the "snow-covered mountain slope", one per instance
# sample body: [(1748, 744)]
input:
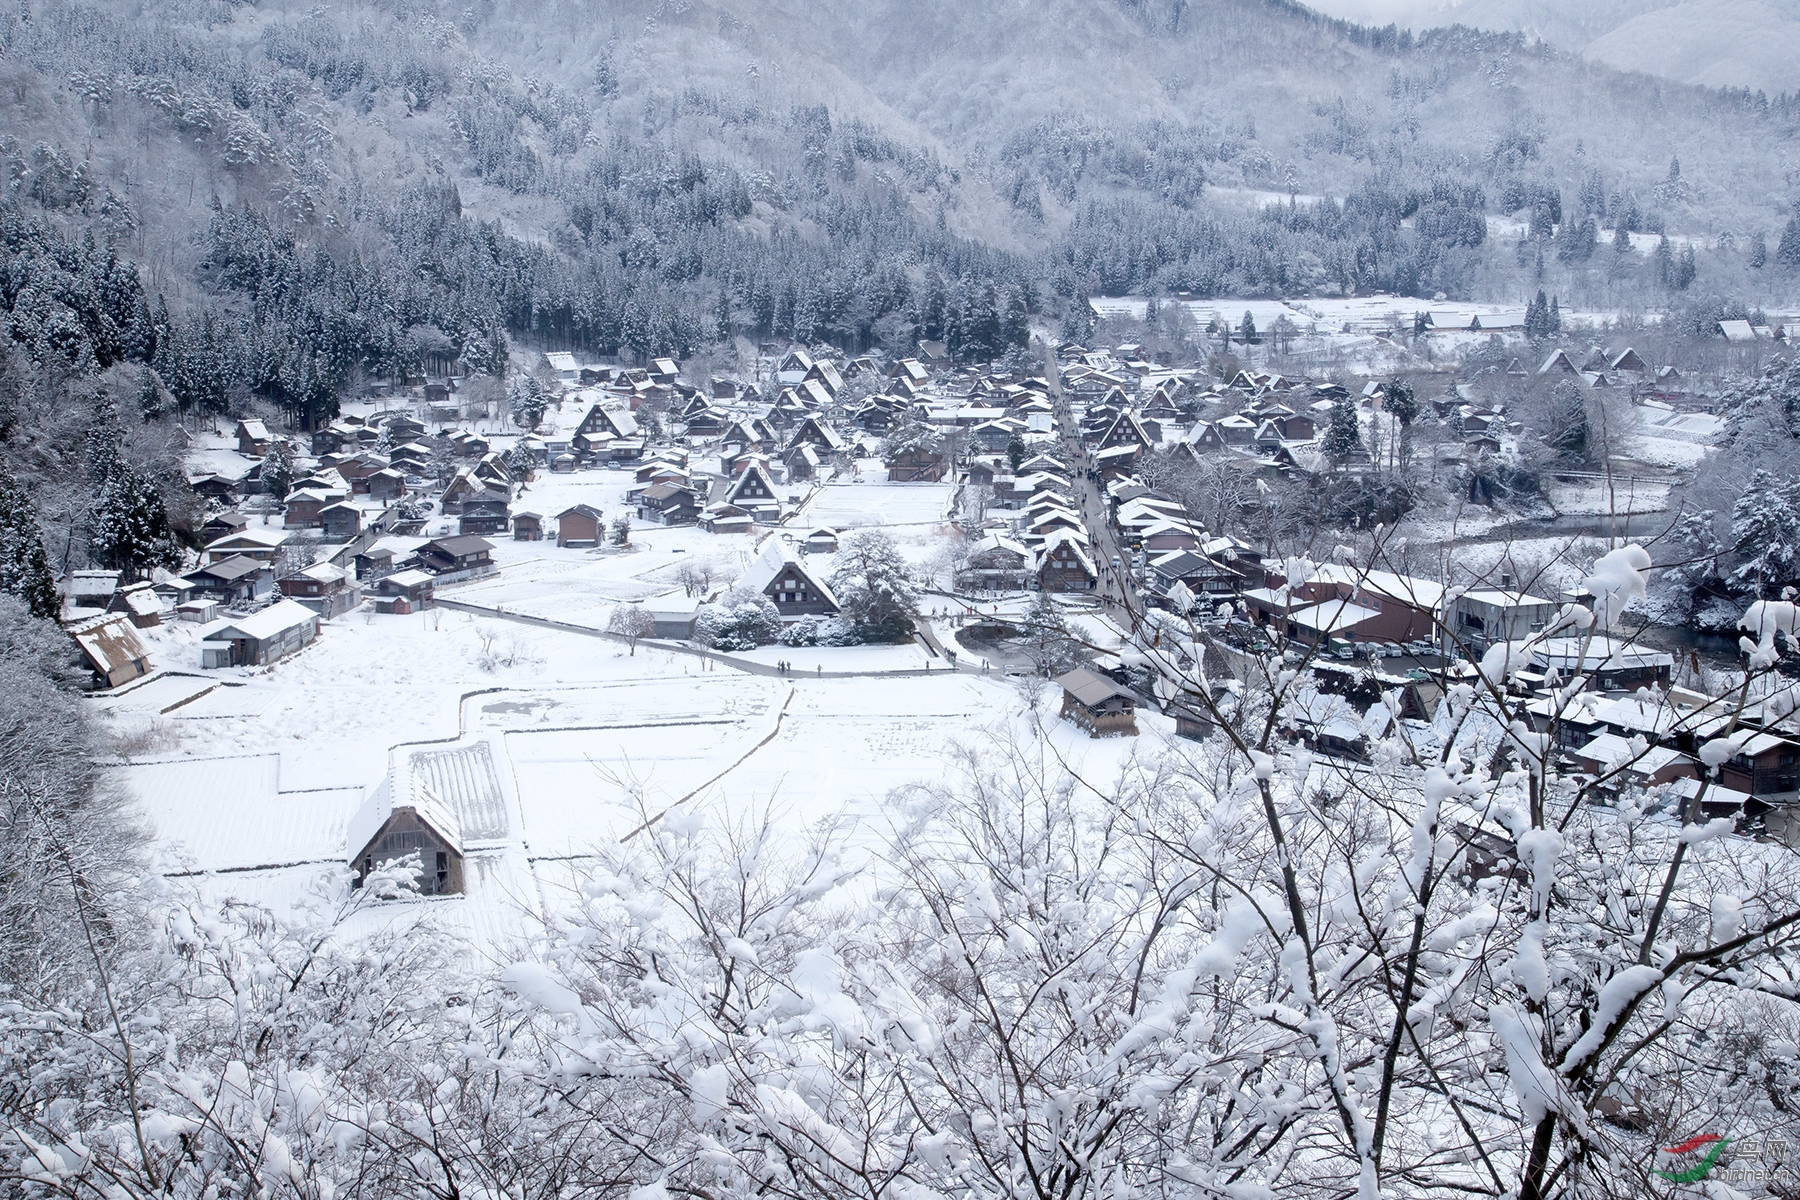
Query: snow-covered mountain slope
[(1711, 43)]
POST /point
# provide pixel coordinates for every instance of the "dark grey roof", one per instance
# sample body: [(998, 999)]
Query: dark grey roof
[(1092, 688)]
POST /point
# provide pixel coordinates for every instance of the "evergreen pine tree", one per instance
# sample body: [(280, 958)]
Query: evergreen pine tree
[(1398, 400), (1759, 251), (1685, 268), (129, 527), (1343, 433), (1554, 317), (1566, 423), (24, 563), (1787, 251), (150, 398), (1621, 239), (1018, 318), (278, 469), (1247, 328), (100, 451), (1665, 262)]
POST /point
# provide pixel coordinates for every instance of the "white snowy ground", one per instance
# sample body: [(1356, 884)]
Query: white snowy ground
[(250, 777), (250, 787), (580, 586)]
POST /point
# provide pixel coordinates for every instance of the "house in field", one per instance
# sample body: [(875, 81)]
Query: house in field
[(1097, 704), (673, 615), (726, 518), (1064, 564), (89, 589), (326, 589), (667, 504), (235, 581), (402, 817), (580, 525), (997, 563), (258, 542), (461, 554), (111, 649), (823, 540), (486, 512), (563, 364), (252, 439), (754, 492), (259, 639), (781, 575), (528, 527), (404, 592), (917, 465)]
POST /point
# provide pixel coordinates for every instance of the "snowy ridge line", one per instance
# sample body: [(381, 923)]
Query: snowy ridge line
[(766, 739), (276, 866), (191, 758), (162, 673), (633, 725)]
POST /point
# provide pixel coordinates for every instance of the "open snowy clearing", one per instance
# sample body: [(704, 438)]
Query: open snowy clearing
[(864, 505), (551, 758)]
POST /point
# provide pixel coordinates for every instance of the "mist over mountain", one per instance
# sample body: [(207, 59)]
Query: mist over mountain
[(1713, 43)]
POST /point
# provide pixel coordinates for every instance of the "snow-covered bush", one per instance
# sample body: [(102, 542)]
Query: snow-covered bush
[(821, 631), (742, 621)]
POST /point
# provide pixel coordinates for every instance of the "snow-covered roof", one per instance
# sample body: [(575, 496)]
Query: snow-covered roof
[(778, 555), (1501, 599), (400, 788), (1572, 654), (272, 621), (110, 642), (325, 573), (1329, 616), (1612, 752), (252, 537), (1423, 594)]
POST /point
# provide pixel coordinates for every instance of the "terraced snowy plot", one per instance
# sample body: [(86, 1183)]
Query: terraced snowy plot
[(545, 763)]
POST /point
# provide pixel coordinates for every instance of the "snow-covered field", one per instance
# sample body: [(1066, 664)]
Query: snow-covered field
[(251, 786), (858, 505)]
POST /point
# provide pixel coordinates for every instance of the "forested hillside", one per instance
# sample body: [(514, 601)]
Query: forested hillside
[(281, 200)]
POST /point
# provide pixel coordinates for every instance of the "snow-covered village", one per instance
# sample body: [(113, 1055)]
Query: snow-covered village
[(699, 602)]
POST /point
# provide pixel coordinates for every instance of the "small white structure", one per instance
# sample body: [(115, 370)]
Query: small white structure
[(198, 611)]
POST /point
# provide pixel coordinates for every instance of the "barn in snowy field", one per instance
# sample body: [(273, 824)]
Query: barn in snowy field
[(429, 802), (779, 574), (1097, 704)]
